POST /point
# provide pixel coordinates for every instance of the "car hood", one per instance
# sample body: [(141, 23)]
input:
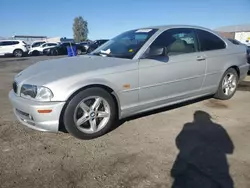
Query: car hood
[(48, 71), (35, 48)]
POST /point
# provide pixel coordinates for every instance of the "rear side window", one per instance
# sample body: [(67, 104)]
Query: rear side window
[(68, 44), (15, 42), (37, 44), (8, 43), (234, 41), (51, 44), (209, 41)]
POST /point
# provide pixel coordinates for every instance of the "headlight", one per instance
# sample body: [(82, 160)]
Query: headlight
[(38, 93)]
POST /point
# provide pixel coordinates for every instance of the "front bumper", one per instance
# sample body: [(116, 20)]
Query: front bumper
[(243, 71), (38, 52), (27, 113)]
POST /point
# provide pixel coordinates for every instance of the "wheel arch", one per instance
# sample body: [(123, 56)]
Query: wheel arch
[(103, 86), (17, 49), (236, 68)]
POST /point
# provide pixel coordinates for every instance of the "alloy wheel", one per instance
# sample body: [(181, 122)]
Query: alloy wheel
[(92, 114), (229, 84), (18, 53)]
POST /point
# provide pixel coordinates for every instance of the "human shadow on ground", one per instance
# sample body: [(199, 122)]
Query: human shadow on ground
[(202, 160)]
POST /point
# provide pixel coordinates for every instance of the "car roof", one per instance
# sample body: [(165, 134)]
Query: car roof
[(38, 41), (51, 42), (164, 27)]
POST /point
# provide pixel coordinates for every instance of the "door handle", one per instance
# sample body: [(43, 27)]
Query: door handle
[(200, 58)]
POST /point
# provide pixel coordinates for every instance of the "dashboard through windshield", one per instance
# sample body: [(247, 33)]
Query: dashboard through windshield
[(125, 45)]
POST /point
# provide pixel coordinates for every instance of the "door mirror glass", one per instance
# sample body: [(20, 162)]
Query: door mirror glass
[(156, 51)]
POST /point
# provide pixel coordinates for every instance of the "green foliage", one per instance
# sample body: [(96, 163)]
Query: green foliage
[(80, 29)]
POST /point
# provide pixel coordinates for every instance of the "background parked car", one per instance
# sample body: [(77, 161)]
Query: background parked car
[(61, 49), (95, 45), (39, 49), (37, 43), (13, 47)]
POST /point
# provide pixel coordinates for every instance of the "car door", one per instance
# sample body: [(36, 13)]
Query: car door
[(217, 57), (1, 48), (7, 47), (175, 76)]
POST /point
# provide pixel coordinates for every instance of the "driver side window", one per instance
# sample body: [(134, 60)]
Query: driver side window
[(177, 41)]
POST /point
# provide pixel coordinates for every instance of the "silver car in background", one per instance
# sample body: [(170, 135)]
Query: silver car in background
[(137, 71)]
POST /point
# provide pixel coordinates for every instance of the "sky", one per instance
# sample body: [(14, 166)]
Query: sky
[(108, 18)]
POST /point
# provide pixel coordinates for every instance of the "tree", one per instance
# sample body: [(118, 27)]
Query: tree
[(80, 29)]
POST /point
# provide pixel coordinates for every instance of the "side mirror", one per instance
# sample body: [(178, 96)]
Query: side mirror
[(156, 51)]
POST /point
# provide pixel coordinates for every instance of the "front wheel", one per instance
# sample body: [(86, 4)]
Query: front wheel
[(90, 113), (228, 85), (79, 52), (35, 53), (53, 52)]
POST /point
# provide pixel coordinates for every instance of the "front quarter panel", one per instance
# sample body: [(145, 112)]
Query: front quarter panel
[(122, 80)]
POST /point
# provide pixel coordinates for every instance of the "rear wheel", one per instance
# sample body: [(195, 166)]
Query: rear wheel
[(18, 53), (90, 113), (228, 85)]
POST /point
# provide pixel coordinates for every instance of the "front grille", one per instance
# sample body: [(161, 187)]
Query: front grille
[(25, 117), (14, 85)]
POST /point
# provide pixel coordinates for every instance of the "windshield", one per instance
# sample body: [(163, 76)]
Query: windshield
[(125, 45), (37, 44)]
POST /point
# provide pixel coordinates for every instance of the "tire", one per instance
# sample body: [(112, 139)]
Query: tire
[(79, 52), (76, 107), (90, 50), (221, 92), (54, 52), (18, 53), (35, 53)]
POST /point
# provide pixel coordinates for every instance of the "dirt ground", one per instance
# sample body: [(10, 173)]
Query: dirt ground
[(161, 149)]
